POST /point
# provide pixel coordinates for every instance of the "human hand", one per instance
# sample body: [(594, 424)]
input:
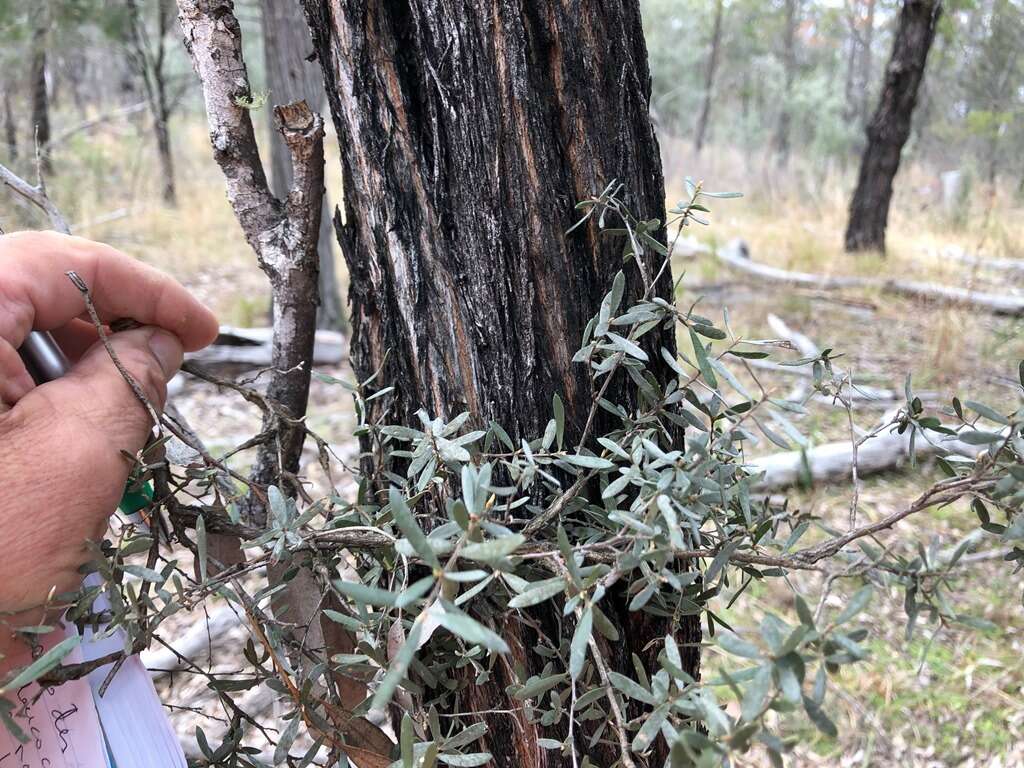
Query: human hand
[(62, 445)]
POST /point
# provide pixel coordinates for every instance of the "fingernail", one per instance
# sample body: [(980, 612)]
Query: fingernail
[(167, 350)]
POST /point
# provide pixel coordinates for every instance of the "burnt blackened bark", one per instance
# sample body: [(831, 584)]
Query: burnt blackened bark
[(468, 137), (890, 126), (468, 133)]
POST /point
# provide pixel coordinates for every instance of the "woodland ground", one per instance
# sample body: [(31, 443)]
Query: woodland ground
[(950, 695)]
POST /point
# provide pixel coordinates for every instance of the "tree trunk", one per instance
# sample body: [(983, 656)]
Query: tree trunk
[(161, 126), (290, 76), (890, 126), (849, 101), (468, 134), (10, 129), (162, 112), (866, 61), (37, 80), (709, 80), (789, 72), (149, 65)]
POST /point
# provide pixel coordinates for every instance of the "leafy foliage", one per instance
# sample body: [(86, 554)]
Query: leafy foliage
[(456, 534)]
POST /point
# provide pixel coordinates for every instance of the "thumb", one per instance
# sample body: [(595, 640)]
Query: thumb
[(95, 397), (62, 458)]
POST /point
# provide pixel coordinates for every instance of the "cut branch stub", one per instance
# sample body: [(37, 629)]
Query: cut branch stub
[(284, 236)]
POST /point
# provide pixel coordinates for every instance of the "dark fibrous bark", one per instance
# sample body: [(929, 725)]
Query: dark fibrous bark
[(468, 133), (890, 126)]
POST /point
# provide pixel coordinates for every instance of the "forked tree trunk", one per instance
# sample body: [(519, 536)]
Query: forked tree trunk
[(150, 66), (709, 80), (290, 77), (468, 134), (890, 126)]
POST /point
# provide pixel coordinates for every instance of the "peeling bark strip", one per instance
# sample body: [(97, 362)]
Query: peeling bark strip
[(889, 129), (469, 132)]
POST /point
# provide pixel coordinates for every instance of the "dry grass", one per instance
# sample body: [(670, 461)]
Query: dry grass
[(951, 699)]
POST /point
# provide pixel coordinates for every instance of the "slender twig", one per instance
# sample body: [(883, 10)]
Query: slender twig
[(90, 307), (35, 195)]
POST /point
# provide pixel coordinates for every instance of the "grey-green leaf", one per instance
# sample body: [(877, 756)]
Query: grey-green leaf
[(407, 524), (580, 638)]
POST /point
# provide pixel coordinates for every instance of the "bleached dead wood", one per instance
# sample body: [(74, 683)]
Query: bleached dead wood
[(863, 393), (253, 347), (737, 255), (36, 196), (833, 462), (955, 253), (857, 391), (193, 645)]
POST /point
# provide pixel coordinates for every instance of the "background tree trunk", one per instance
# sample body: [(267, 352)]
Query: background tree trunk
[(468, 135), (161, 111), (10, 128), (37, 84), (709, 79), (866, 60), (291, 76), (789, 73), (853, 48), (890, 126), (148, 61)]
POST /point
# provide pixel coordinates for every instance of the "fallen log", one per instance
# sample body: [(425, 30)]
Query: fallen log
[(857, 391), (860, 393), (834, 461), (956, 253), (736, 254), (251, 347)]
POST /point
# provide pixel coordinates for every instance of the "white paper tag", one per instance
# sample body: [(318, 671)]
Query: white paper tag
[(62, 725)]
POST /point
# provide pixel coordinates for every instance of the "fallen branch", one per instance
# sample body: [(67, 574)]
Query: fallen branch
[(807, 348), (37, 196), (835, 461), (253, 347), (737, 255), (955, 253), (201, 638), (92, 122)]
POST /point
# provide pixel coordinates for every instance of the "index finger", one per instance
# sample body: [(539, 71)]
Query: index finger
[(36, 294)]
